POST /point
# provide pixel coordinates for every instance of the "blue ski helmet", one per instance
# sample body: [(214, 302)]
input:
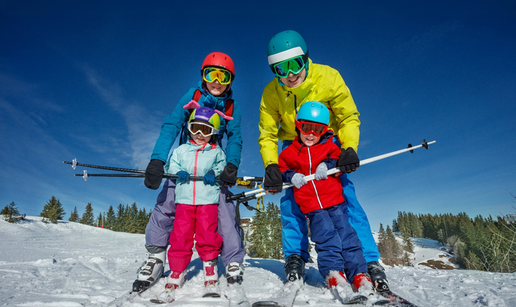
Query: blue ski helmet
[(314, 111), (207, 115), (286, 45)]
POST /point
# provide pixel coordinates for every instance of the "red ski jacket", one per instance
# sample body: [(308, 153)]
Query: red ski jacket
[(298, 158)]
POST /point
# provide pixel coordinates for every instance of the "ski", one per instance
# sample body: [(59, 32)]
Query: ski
[(165, 297), (360, 299), (236, 295), (211, 290), (395, 300), (354, 300), (285, 297)]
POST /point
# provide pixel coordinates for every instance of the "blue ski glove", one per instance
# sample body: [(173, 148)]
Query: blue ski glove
[(348, 161), (209, 178), (182, 176), (298, 180), (320, 171)]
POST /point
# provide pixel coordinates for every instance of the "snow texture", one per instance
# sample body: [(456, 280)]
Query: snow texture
[(70, 264)]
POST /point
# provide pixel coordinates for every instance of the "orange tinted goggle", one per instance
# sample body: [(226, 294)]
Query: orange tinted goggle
[(315, 128)]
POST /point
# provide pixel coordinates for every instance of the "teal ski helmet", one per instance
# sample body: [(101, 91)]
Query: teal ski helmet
[(314, 111), (286, 45)]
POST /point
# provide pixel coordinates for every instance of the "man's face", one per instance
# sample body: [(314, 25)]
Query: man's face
[(294, 80)]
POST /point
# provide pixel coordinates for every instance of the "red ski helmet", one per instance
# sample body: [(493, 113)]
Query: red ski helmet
[(219, 59)]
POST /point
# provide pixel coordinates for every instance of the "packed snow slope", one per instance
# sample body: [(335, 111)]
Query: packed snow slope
[(70, 264)]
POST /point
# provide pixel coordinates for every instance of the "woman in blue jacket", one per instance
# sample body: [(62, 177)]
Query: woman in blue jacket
[(213, 91)]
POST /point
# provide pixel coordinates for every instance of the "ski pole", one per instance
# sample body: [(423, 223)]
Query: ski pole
[(248, 182), (85, 175), (261, 192), (74, 164), (240, 184)]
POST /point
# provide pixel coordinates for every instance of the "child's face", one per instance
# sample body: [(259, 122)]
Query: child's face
[(200, 139), (309, 139), (294, 80), (215, 88)]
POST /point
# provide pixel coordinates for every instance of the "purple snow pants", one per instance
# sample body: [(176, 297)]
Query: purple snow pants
[(161, 223)]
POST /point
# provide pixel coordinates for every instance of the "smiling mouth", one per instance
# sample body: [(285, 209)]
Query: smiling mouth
[(293, 81)]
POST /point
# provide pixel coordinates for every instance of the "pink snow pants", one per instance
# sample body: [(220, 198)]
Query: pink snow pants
[(199, 221)]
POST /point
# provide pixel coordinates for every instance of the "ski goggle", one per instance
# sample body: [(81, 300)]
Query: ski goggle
[(293, 65), (308, 127), (210, 74), (202, 128)]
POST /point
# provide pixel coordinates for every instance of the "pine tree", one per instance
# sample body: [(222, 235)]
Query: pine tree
[(11, 213), (52, 211), (99, 222), (143, 219), (119, 220), (275, 245), (109, 220), (388, 247), (74, 216), (407, 243), (259, 237), (87, 217)]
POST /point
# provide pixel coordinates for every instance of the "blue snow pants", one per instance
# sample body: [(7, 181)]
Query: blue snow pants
[(295, 231), (161, 223), (336, 242)]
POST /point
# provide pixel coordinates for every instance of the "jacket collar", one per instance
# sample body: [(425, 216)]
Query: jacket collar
[(207, 146)]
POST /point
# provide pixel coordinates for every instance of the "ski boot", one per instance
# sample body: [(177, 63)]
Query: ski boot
[(234, 273), (339, 286), (150, 271), (362, 284), (378, 277), (211, 280), (335, 278), (175, 280), (294, 268)]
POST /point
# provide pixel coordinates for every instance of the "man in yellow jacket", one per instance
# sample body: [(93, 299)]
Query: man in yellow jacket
[(297, 81)]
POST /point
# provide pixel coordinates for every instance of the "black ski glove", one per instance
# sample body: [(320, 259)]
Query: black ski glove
[(229, 175), (154, 174), (348, 161), (273, 182)]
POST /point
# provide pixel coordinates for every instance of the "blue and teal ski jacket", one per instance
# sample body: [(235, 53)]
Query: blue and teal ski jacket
[(175, 124)]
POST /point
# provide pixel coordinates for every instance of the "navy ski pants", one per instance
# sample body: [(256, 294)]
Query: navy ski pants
[(295, 231), (336, 242)]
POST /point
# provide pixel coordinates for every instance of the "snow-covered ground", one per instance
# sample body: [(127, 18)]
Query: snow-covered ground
[(70, 264)]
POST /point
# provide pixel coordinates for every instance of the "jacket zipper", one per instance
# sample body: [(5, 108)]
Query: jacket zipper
[(313, 181), (195, 172)]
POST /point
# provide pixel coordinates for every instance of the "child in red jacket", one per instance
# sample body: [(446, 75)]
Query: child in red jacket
[(336, 242)]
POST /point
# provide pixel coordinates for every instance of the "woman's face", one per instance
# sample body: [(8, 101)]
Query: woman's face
[(215, 88)]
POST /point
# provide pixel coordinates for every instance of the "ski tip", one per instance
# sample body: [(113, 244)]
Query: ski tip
[(266, 304)]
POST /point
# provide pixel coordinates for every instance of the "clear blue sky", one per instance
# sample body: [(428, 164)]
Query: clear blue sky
[(94, 81)]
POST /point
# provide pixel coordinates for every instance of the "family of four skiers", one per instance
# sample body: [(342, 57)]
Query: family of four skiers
[(307, 107)]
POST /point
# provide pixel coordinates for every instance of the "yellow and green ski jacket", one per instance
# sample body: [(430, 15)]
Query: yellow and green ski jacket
[(279, 105)]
